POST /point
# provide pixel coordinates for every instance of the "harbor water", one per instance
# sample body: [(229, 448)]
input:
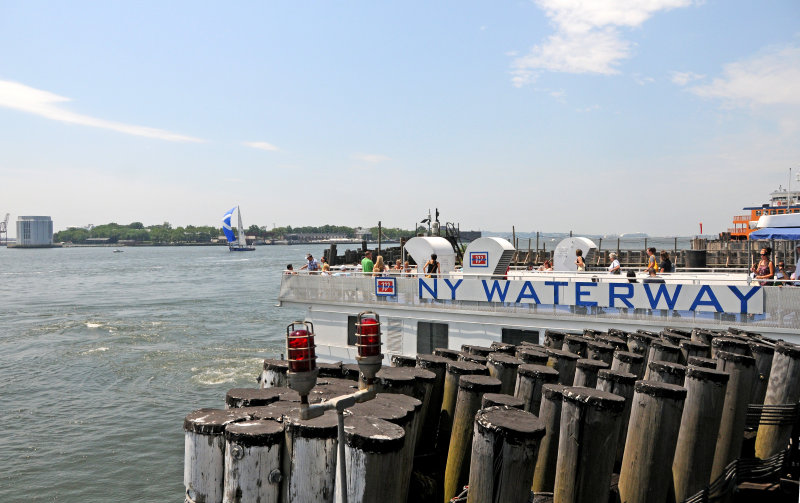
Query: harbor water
[(102, 355)]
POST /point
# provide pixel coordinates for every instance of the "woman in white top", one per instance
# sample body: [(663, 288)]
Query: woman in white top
[(614, 267)]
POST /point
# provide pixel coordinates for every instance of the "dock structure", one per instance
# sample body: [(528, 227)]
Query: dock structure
[(445, 429)]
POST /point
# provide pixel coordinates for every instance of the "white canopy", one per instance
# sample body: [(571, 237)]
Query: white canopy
[(420, 248), (564, 254), (489, 255)]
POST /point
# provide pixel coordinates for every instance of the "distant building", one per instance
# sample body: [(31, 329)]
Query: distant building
[(34, 232), (469, 236)]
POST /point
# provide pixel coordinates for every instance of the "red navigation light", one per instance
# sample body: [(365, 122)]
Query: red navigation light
[(300, 344), (368, 335)]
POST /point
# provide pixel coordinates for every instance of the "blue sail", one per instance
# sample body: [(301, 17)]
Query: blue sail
[(226, 225)]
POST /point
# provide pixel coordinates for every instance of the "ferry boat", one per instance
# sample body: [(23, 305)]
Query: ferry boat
[(781, 202), (484, 301)]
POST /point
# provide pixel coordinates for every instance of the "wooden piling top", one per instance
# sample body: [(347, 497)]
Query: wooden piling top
[(464, 356), (600, 346), (503, 347), (532, 355), (591, 333), (464, 368), (617, 342), (252, 397), (640, 337), (396, 375), (324, 426), (330, 369), (432, 362), (699, 361), (688, 343), (673, 338), (372, 434), (670, 368), (477, 350), (543, 372), (212, 421), (707, 374), (758, 347), (383, 409), (560, 353), (665, 346), (423, 375), (553, 391), (515, 426), (576, 338), (450, 354), (622, 334), (351, 371), (403, 361), (594, 398), (617, 376), (554, 335), (788, 349), (586, 363), (505, 360), (628, 357), (680, 331), (278, 365), (255, 433), (744, 360), (409, 403), (730, 344), (660, 389), (652, 334), (479, 383), (493, 399), (274, 411)]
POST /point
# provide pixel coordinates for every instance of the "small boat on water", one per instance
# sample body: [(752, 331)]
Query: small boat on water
[(117, 250), (236, 242)]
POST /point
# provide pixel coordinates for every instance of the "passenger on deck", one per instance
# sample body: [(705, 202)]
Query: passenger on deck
[(614, 268), (547, 266), (398, 266), (326, 267), (579, 260), (631, 276), (780, 274), (290, 270), (379, 267), (652, 278), (666, 263), (651, 261), (432, 267), (765, 269), (311, 264), (366, 264), (406, 269)]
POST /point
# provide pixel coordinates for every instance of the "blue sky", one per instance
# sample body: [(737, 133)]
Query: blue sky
[(551, 115)]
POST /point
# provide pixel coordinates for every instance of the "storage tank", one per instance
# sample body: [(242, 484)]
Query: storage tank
[(34, 232)]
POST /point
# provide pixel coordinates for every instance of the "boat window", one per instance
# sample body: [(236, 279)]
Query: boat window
[(516, 336), (431, 336), (351, 330), (758, 213)]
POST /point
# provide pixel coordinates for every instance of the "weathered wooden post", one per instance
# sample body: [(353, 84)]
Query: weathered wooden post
[(620, 384), (501, 400), (588, 433), (673, 338), (708, 363), (532, 355), (503, 347), (253, 397), (374, 451), (690, 348), (663, 351), (598, 350), (650, 445), (575, 344), (554, 339), (309, 458), (470, 393), (504, 367), (783, 389), (640, 343), (464, 356), (253, 462), (530, 380), (564, 362), (454, 372), (403, 361), (330, 369), (628, 361), (701, 335), (763, 355), (450, 354), (430, 423), (503, 455), (729, 344), (670, 373), (274, 374), (544, 475), (586, 372), (742, 371), (204, 452), (477, 350), (619, 343), (697, 438)]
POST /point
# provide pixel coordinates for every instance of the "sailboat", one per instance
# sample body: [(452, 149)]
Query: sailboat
[(238, 242)]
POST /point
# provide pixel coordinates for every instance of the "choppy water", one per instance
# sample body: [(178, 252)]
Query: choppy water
[(102, 355)]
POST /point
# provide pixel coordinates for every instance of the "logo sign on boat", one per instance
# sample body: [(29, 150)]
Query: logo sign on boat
[(479, 259), (745, 299), (385, 287)]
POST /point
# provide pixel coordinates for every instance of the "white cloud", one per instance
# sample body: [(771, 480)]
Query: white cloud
[(683, 78), (772, 78), (371, 158), (642, 80), (588, 37), (51, 106), (261, 145)]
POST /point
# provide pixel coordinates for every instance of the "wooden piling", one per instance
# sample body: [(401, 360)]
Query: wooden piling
[(450, 354), (763, 355), (586, 372), (503, 455), (783, 389), (729, 344), (544, 475), (588, 431), (598, 350), (697, 438), (708, 363), (477, 350), (404, 361), (309, 458), (673, 338), (253, 397), (470, 393), (503, 347), (564, 362), (663, 351), (530, 381), (575, 344), (373, 453), (465, 356), (329, 369), (554, 339), (274, 374), (620, 384), (640, 344), (667, 372), (253, 462), (451, 378), (701, 335), (690, 348), (501, 400), (742, 371), (504, 367), (619, 343), (628, 361), (430, 422), (204, 452), (650, 444), (531, 355)]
